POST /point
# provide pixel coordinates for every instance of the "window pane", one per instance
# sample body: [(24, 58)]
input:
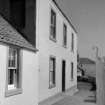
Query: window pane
[(12, 57), (52, 72), (72, 42), (51, 76), (72, 68), (53, 24), (12, 79), (65, 34)]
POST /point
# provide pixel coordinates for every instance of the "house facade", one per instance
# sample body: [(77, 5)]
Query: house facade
[(57, 44), (43, 24)]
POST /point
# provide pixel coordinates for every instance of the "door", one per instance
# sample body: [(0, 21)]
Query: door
[(63, 75)]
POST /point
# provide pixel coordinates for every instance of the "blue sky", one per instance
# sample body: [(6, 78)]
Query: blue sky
[(88, 16)]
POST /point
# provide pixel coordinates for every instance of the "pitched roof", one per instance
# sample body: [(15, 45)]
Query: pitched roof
[(68, 18), (9, 35), (86, 61)]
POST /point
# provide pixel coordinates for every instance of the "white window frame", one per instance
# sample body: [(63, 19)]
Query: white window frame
[(15, 87)]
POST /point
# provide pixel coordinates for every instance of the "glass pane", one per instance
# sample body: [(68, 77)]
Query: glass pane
[(65, 32), (72, 42), (51, 65), (51, 79), (53, 17), (12, 57), (72, 71), (12, 78), (53, 24)]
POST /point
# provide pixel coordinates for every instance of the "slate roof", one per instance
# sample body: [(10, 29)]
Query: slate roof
[(86, 61), (9, 35), (66, 15)]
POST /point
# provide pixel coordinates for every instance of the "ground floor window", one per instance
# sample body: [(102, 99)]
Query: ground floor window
[(13, 84), (52, 68), (72, 71)]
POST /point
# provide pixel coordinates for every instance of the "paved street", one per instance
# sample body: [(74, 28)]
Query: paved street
[(82, 97)]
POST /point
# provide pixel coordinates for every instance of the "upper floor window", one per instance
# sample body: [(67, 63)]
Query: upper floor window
[(64, 35), (17, 13), (53, 25), (52, 68), (72, 42), (13, 72)]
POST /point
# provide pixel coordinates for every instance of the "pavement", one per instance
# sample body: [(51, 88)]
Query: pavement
[(83, 97)]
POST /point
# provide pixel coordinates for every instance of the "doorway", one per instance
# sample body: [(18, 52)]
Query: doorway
[(63, 75)]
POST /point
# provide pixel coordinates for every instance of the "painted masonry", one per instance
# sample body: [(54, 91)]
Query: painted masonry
[(57, 51), (28, 25)]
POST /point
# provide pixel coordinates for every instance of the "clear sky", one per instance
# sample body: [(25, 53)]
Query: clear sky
[(88, 16)]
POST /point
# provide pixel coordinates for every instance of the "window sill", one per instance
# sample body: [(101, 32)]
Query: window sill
[(65, 46), (72, 51), (53, 39), (53, 86), (72, 80), (13, 92)]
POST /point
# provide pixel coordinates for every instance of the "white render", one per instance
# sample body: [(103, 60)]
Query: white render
[(48, 47), (29, 67)]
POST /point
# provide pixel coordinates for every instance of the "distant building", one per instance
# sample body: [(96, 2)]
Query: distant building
[(89, 66)]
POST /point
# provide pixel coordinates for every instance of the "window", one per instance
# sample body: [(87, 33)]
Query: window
[(64, 35), (53, 25), (72, 71), (17, 13), (52, 72), (72, 42), (13, 72)]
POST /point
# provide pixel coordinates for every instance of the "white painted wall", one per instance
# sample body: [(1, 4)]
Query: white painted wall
[(29, 69), (47, 47)]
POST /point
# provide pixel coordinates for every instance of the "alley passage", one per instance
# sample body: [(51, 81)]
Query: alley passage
[(83, 97)]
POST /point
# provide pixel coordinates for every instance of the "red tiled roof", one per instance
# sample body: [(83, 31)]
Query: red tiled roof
[(9, 35)]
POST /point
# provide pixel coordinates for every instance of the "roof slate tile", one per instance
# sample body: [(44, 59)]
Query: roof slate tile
[(10, 35)]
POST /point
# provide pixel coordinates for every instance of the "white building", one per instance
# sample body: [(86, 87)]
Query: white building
[(57, 44), (18, 68)]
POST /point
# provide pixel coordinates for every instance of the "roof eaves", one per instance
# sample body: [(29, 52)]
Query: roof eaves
[(9, 35), (65, 15)]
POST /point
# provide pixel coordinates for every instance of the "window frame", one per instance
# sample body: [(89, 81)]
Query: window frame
[(54, 71), (53, 26), (64, 35), (17, 90)]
